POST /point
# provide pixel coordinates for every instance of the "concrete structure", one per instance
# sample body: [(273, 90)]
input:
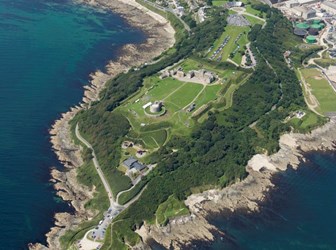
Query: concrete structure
[(191, 107), (147, 105), (198, 76), (303, 12), (156, 107), (133, 165), (190, 74), (237, 20), (291, 3), (305, 2), (300, 32), (313, 32), (311, 39), (316, 26), (180, 73), (127, 144), (234, 4), (302, 26), (330, 7), (310, 13)]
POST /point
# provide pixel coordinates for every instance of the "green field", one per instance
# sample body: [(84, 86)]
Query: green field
[(224, 73), (254, 20), (233, 32), (172, 207), (218, 3), (208, 94), (153, 132), (184, 95), (310, 121), (154, 139), (321, 89)]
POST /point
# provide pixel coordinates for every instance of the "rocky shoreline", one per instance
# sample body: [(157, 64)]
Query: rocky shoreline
[(159, 37), (181, 231), (244, 195)]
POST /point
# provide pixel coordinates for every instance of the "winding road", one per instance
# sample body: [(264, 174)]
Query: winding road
[(115, 208), (98, 168)]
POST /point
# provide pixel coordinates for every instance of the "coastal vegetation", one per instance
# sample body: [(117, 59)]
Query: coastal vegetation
[(246, 113), (171, 208), (106, 129), (88, 176), (211, 152)]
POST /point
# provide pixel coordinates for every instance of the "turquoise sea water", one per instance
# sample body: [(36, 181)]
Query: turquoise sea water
[(47, 50)]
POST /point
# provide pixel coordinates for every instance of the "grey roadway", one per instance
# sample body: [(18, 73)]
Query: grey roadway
[(98, 168), (186, 26), (99, 232), (115, 208)]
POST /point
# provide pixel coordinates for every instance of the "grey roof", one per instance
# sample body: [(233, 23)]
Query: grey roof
[(329, 4), (133, 163), (138, 166), (129, 162)]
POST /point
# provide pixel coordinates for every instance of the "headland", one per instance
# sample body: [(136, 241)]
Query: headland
[(245, 195), (159, 37), (223, 140)]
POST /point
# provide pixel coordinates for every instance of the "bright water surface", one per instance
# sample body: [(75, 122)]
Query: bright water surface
[(47, 50)]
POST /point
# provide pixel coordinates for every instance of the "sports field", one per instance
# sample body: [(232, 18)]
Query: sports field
[(176, 96), (321, 89)]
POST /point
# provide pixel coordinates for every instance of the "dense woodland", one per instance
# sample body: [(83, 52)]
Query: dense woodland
[(217, 151)]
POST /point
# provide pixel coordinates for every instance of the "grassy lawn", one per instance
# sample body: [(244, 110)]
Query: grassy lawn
[(321, 89), (184, 95), (325, 61), (153, 132), (218, 3), (162, 87), (172, 207), (242, 42), (308, 122), (252, 11), (207, 95), (233, 32), (154, 139), (196, 64), (253, 21)]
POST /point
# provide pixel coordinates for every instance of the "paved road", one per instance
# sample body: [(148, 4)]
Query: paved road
[(186, 26), (99, 232), (97, 167)]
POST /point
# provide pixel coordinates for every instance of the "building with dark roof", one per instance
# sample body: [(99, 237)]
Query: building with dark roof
[(133, 165), (300, 32)]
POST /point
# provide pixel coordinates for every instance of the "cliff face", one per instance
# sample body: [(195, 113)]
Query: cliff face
[(245, 194)]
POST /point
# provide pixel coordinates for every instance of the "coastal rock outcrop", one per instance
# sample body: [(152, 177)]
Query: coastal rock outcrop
[(159, 37), (246, 194)]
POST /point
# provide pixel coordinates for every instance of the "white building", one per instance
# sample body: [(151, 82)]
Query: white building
[(292, 3), (329, 7), (304, 12), (304, 2)]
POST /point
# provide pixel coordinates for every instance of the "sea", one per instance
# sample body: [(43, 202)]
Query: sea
[(299, 214), (48, 48)]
